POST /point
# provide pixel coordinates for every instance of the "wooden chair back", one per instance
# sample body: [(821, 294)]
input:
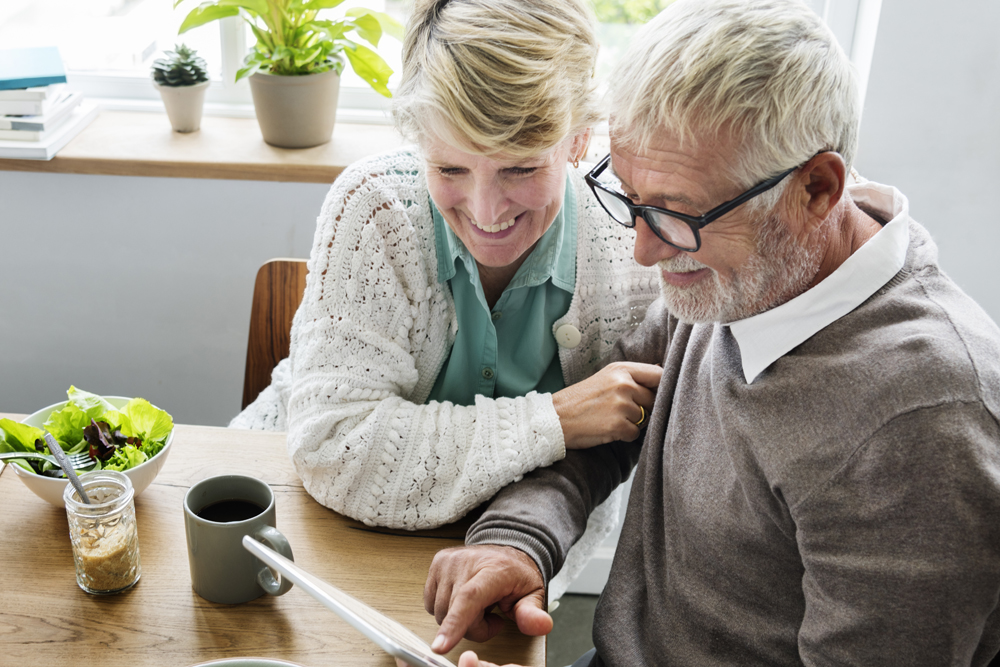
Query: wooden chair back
[(277, 293)]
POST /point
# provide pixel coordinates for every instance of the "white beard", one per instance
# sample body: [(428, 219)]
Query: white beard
[(779, 270)]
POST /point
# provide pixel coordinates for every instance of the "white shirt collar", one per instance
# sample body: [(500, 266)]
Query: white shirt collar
[(768, 336)]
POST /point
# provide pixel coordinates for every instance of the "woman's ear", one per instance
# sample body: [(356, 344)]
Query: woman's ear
[(581, 141)]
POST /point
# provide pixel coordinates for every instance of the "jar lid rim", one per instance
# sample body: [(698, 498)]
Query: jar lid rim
[(71, 496)]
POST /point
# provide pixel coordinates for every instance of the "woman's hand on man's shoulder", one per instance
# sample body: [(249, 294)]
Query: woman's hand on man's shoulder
[(613, 404)]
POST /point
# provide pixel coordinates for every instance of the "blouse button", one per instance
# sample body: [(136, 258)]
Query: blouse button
[(568, 336), (496, 316), (488, 373)]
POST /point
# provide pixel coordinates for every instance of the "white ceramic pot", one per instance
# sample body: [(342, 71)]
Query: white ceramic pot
[(184, 105), (296, 111)]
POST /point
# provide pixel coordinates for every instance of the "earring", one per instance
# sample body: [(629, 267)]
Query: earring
[(576, 162)]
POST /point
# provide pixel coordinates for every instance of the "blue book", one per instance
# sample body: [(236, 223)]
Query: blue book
[(35, 66)]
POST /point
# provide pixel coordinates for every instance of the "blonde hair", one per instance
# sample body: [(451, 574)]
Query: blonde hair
[(768, 74), (490, 76)]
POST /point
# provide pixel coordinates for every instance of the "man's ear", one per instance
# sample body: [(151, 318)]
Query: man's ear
[(821, 181)]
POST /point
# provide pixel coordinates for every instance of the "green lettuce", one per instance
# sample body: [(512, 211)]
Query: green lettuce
[(125, 457), (92, 404), (66, 425), (139, 419), (117, 439), (21, 438)]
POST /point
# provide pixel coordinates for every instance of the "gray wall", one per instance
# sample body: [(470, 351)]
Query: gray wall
[(137, 286)]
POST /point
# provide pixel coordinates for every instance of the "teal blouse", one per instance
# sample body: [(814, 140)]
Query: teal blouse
[(510, 350)]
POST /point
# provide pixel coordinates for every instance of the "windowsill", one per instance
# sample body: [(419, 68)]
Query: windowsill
[(119, 143)]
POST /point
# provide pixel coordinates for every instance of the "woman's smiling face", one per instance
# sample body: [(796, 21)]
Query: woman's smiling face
[(498, 205)]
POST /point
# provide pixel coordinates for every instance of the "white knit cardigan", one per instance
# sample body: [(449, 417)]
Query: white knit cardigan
[(373, 331)]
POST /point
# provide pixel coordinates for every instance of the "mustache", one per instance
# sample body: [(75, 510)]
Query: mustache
[(681, 263)]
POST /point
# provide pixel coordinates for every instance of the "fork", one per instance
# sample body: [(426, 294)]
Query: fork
[(78, 461)]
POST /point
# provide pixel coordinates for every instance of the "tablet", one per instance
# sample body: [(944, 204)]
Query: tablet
[(391, 636)]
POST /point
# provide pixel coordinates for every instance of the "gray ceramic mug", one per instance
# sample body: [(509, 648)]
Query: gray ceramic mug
[(218, 512)]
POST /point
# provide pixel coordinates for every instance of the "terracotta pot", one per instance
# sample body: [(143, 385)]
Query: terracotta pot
[(296, 111), (184, 105)]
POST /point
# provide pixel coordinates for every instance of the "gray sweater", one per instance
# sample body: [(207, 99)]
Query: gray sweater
[(843, 509)]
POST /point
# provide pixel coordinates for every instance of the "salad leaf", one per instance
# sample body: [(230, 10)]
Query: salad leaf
[(118, 421), (116, 439), (101, 440), (125, 457), (92, 404), (149, 423), (141, 420), (67, 425), (20, 437)]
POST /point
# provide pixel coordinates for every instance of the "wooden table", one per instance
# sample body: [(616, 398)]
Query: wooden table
[(45, 619)]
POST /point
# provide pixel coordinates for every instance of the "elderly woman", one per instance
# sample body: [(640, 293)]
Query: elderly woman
[(462, 294)]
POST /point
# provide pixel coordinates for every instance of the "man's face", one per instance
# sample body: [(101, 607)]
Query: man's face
[(746, 264)]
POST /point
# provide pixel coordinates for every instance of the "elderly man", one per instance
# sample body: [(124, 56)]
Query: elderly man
[(820, 479)]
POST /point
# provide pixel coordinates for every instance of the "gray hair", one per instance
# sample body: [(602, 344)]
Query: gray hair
[(768, 74), (498, 75)]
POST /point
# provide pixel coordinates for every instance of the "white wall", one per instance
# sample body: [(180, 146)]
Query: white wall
[(931, 127), (137, 286)]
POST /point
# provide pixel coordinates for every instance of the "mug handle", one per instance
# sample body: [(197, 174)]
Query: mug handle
[(273, 538)]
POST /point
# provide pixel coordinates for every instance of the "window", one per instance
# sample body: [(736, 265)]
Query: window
[(109, 45), (853, 22)]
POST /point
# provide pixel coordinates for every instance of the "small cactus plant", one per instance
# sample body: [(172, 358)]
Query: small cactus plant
[(180, 67)]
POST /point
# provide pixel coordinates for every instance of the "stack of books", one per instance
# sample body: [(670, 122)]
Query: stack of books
[(38, 113)]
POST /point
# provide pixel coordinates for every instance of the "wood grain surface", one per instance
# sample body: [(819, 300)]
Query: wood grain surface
[(121, 143), (46, 620)]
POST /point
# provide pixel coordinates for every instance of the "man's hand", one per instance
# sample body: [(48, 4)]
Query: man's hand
[(607, 406), (465, 583), (468, 659)]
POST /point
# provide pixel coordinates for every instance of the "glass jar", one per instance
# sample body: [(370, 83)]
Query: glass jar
[(104, 535)]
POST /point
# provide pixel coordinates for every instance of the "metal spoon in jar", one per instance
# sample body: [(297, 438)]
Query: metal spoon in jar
[(66, 466)]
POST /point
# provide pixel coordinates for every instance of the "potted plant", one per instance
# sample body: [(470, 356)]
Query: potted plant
[(295, 66), (181, 78)]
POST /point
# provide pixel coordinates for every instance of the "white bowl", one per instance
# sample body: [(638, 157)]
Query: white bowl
[(51, 488)]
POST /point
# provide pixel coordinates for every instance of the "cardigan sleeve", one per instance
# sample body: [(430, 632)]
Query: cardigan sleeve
[(371, 333)]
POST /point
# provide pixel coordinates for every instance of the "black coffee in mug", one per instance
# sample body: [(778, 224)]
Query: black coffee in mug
[(219, 513), (228, 511)]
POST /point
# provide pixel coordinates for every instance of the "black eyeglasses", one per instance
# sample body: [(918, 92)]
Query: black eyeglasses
[(675, 229)]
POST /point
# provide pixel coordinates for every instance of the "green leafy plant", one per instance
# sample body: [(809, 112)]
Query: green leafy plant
[(628, 11), (180, 67), (292, 39)]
